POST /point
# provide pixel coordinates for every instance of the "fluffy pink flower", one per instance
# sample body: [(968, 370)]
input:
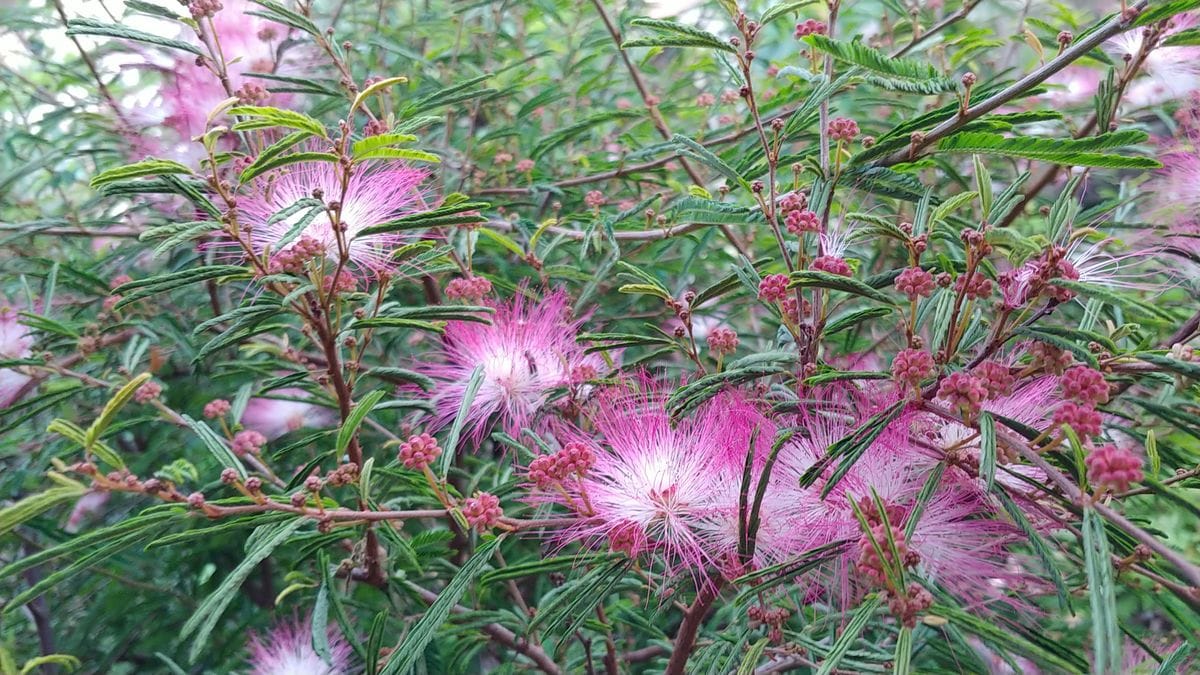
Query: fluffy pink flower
[(1072, 85), (288, 650), (1170, 73), (666, 489), (377, 193), (525, 353), (274, 417), (1176, 192), (16, 342)]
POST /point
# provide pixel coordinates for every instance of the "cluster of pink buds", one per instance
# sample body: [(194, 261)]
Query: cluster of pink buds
[(376, 128), (628, 538), (773, 288), (843, 129), (964, 392), (1050, 358), (729, 96), (471, 289), (911, 366), (1085, 385), (575, 459), (501, 158), (774, 617), (810, 27), (482, 511), (217, 408), (248, 442), (905, 607), (419, 451), (831, 264), (801, 221), (342, 282), (705, 99), (871, 565), (1083, 419), (594, 199), (252, 93), (200, 9), (996, 377), (975, 287), (147, 392), (722, 341), (916, 283), (1113, 468), (525, 165), (292, 260), (583, 372), (346, 474)]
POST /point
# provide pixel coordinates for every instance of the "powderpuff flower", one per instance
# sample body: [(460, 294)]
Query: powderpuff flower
[(376, 194), (16, 342), (525, 354), (669, 490), (1072, 85), (1090, 262), (287, 650), (1171, 72), (274, 417), (1176, 192)]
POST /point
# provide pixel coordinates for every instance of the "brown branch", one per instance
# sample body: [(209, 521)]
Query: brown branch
[(685, 638), (501, 635), (1073, 53), (938, 27)]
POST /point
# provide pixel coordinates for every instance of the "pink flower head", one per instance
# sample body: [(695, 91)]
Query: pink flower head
[(248, 441), (1085, 385), (799, 221), (594, 199), (1083, 419), (669, 489), (216, 408), (1114, 467), (376, 194), (843, 129), (832, 265), (1176, 192), (722, 341), (16, 342), (1072, 85), (916, 282), (471, 289), (773, 287), (525, 165), (147, 392), (419, 451), (996, 377), (810, 27), (482, 511), (963, 391), (911, 366), (288, 650), (274, 417), (525, 353), (705, 99), (1171, 72)]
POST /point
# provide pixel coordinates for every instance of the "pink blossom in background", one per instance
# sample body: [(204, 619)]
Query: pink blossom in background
[(1169, 72), (287, 650), (1175, 194), (88, 507), (525, 353), (1072, 85), (274, 417), (376, 193), (16, 342)]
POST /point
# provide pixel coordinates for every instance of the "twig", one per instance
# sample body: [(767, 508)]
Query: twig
[(937, 28), (1077, 50), (685, 638)]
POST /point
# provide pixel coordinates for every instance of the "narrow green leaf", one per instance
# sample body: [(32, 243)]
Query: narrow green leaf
[(1106, 634), (357, 414), (850, 633)]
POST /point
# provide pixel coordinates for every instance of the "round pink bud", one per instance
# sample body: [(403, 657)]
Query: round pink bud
[(1084, 384), (916, 283), (843, 129), (722, 341), (525, 165), (1082, 418), (1114, 468), (911, 366), (229, 476), (801, 221), (978, 288), (147, 392), (964, 391), (248, 441), (195, 500), (773, 287), (419, 451), (810, 27), (471, 289), (996, 377), (705, 99), (482, 511), (218, 407), (831, 264), (594, 199)]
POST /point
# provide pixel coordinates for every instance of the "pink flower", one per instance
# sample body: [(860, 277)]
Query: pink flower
[(705, 99), (87, 507), (471, 289), (418, 451), (843, 129), (722, 341), (1170, 73), (525, 165), (916, 282), (288, 650), (274, 417), (963, 391), (147, 392), (1072, 85), (525, 353), (594, 199), (1113, 467), (799, 221), (996, 377), (832, 265), (482, 511), (810, 27), (376, 194), (1176, 192), (16, 342), (911, 366), (773, 287), (1083, 419), (1085, 385), (218, 407), (248, 441)]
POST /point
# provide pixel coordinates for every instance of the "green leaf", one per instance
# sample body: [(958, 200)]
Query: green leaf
[(782, 9), (265, 117), (375, 87), (850, 633), (753, 656), (278, 13), (111, 408), (357, 414), (146, 167), (216, 445), (675, 34), (691, 148), (1162, 12), (890, 72), (399, 153), (94, 27), (150, 286), (381, 141), (1070, 152), (262, 542), (851, 319), (37, 504), (564, 134), (987, 449), (410, 649), (1081, 352), (265, 160), (460, 419), (1008, 639), (1106, 634), (455, 214), (260, 166), (837, 282), (902, 663)]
